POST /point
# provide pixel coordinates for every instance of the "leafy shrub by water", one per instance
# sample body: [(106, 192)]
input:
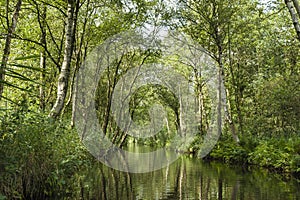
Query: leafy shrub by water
[(38, 157)]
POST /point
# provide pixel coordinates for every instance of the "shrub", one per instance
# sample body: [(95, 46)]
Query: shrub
[(38, 156)]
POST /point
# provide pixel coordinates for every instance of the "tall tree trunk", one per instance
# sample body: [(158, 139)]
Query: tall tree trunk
[(63, 79), (236, 84), (199, 99), (77, 53), (220, 77), (81, 55), (297, 7), (42, 23), (219, 119), (75, 88), (291, 9), (11, 29), (230, 121), (110, 89)]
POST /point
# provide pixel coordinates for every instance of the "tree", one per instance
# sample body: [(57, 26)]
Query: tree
[(207, 23), (297, 7), (10, 31), (63, 79), (291, 8), (41, 16)]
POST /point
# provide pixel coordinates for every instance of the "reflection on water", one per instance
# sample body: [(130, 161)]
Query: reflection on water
[(187, 178)]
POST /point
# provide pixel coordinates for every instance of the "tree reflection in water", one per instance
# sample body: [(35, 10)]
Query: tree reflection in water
[(187, 178)]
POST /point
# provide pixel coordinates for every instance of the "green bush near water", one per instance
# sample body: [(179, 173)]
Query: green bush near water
[(278, 153), (39, 158), (281, 154)]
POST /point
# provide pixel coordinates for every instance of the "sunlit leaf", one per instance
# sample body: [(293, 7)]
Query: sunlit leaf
[(9, 100), (20, 76), (14, 86), (27, 67), (27, 57)]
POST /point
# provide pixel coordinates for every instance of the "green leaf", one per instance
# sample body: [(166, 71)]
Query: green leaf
[(27, 67), (14, 86), (9, 100), (27, 57), (20, 76)]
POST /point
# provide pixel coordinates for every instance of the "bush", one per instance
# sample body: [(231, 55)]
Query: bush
[(38, 156), (278, 153), (229, 151), (281, 154)]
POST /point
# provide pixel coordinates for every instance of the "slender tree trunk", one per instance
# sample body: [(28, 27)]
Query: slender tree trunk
[(297, 7), (182, 127), (42, 22), (227, 113), (291, 9), (11, 29), (42, 78), (167, 125), (77, 57), (110, 89), (75, 90), (199, 99), (236, 85), (63, 79), (230, 121), (218, 40), (219, 109), (81, 55)]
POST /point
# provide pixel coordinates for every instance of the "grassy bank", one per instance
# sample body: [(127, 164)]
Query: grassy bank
[(280, 153)]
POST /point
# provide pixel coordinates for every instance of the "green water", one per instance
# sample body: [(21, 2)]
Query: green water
[(189, 178)]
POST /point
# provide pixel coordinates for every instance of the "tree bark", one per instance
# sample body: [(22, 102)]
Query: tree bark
[(77, 58), (230, 121), (291, 9), (218, 41), (220, 100), (219, 119), (235, 82), (63, 79), (42, 23), (297, 7), (11, 29), (81, 55)]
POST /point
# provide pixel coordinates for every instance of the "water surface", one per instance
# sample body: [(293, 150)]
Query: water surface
[(189, 178)]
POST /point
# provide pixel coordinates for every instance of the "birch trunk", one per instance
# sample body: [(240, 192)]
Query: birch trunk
[(77, 58), (291, 9), (42, 22), (6, 51), (297, 7), (63, 79)]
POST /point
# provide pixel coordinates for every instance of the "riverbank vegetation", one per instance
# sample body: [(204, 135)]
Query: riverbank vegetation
[(255, 47)]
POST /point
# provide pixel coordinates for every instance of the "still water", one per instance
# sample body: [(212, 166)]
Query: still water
[(188, 178)]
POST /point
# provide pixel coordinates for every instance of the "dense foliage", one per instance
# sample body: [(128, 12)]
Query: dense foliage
[(39, 157), (44, 43)]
